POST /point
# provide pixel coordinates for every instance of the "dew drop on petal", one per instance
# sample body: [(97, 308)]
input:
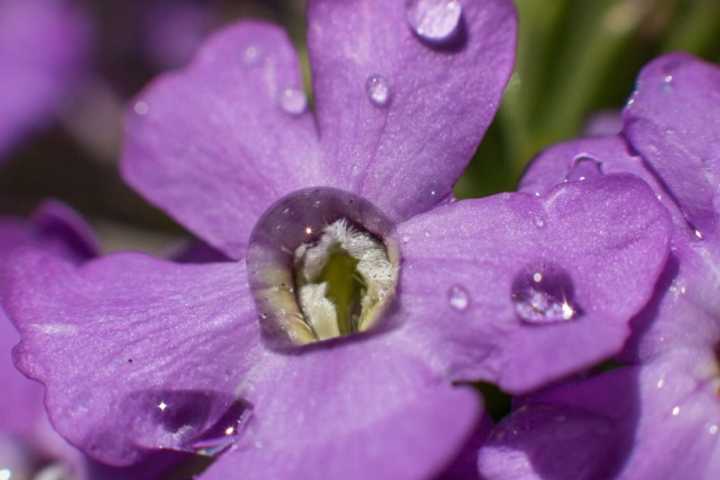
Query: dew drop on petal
[(459, 298), (378, 90), (667, 82), (544, 296), (584, 167), (141, 108), (713, 429), (435, 21), (293, 101), (251, 55), (676, 410)]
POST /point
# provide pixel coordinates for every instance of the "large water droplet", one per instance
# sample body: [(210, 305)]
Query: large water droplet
[(435, 21), (174, 419), (293, 101), (378, 90), (459, 298), (275, 256), (544, 295), (584, 167)]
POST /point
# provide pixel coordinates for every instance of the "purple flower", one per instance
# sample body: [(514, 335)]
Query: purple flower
[(658, 416), (356, 290), (43, 44), (27, 441)]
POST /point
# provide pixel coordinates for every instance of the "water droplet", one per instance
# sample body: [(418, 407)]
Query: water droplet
[(355, 170), (172, 419), (293, 101), (141, 108), (667, 82), (544, 295), (584, 167), (251, 55), (459, 298), (661, 383), (278, 260), (539, 222), (713, 429), (676, 410), (378, 90), (698, 234), (225, 432), (405, 238), (435, 21)]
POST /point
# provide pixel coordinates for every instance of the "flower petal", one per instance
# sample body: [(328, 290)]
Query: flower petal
[(646, 416), (552, 440), (406, 154), (43, 45), (361, 409), (135, 353), (598, 233), (218, 158), (672, 122), (583, 158)]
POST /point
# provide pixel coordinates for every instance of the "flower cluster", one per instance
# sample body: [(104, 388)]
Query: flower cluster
[(344, 304)]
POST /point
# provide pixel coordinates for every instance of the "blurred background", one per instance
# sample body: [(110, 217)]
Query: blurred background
[(577, 62)]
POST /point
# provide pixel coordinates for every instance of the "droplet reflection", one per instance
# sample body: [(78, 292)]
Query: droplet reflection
[(435, 21), (544, 295)]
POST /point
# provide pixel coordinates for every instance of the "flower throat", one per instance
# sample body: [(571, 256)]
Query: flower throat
[(321, 265)]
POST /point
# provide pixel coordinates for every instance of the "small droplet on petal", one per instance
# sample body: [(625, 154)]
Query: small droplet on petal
[(141, 108), (251, 55), (435, 21), (661, 383), (584, 167), (676, 410), (459, 298), (544, 296), (667, 82), (539, 222), (378, 90), (698, 234), (405, 239), (293, 101), (713, 429)]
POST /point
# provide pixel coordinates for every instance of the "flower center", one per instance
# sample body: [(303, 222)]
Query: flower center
[(321, 264)]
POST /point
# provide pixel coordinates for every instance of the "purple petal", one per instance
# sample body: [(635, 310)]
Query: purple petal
[(362, 409), (401, 118), (462, 265), (43, 44), (219, 158), (640, 417), (584, 438), (155, 369), (59, 231), (671, 121), (21, 401), (579, 160)]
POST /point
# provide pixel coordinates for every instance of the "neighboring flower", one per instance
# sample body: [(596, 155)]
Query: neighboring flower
[(43, 47), (658, 416), (357, 291)]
